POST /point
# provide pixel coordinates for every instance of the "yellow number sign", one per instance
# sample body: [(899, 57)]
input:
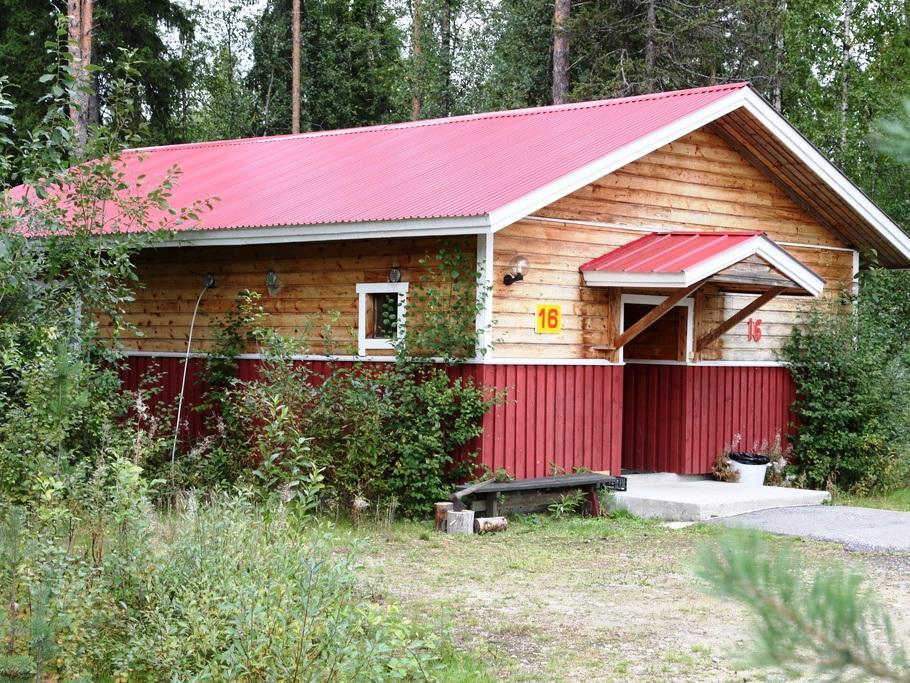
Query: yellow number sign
[(549, 318)]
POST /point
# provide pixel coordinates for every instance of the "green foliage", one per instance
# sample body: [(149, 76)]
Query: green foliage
[(827, 625), (132, 25), (850, 368), (352, 69), (231, 590), (443, 306), (61, 412), (386, 433), (570, 503)]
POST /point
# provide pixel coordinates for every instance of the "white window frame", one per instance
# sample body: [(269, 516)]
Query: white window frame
[(653, 300), (364, 343)]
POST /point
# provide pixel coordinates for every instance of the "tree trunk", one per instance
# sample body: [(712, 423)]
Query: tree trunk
[(562, 8), (416, 20), (295, 66), (79, 35), (777, 89), (650, 47), (846, 44), (445, 32)]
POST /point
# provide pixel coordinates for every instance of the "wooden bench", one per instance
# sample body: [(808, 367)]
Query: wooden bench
[(532, 495)]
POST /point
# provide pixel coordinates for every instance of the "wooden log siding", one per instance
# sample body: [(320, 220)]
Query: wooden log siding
[(318, 288), (696, 183)]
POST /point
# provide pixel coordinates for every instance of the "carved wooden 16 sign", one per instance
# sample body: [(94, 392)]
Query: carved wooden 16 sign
[(549, 319)]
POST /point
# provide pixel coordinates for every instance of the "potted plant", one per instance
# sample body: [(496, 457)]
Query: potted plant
[(744, 467), (751, 467)]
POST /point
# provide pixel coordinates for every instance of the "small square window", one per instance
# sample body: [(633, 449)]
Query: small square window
[(380, 319), (382, 315)]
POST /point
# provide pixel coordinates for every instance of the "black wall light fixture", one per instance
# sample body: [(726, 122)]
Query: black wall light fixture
[(518, 267)]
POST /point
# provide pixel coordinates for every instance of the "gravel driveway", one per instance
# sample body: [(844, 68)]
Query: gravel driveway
[(863, 529)]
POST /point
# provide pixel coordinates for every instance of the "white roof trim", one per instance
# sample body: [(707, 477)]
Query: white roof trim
[(549, 193), (745, 98), (794, 141), (325, 232), (756, 246)]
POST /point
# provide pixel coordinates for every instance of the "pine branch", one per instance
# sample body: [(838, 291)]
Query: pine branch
[(822, 624)]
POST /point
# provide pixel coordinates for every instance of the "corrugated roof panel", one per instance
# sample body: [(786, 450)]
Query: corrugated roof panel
[(459, 166), (669, 252)]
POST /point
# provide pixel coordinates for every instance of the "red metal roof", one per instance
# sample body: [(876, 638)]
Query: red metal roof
[(667, 252), (459, 166)]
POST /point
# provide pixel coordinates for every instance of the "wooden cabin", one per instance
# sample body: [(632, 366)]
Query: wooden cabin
[(647, 259)]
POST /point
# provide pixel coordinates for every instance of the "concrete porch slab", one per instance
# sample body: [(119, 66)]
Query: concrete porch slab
[(696, 499)]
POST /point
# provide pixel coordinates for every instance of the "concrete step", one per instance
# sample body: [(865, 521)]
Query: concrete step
[(696, 499)]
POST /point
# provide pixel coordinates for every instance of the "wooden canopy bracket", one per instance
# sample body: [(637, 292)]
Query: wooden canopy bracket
[(654, 315), (736, 318)]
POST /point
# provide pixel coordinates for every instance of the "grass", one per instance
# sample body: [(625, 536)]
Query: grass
[(898, 499), (611, 599)]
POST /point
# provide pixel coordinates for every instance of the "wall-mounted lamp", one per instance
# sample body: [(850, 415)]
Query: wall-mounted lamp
[(272, 283), (518, 267), (395, 275)]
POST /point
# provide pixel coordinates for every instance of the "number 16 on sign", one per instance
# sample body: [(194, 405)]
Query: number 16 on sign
[(549, 319)]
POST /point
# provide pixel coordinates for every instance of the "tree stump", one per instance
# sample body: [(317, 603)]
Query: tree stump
[(489, 525), (441, 510), (460, 522)]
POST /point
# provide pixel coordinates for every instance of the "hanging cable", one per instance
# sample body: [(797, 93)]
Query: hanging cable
[(207, 283)]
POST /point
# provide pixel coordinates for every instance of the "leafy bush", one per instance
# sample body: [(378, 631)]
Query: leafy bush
[(232, 590), (379, 432), (851, 370), (385, 433)]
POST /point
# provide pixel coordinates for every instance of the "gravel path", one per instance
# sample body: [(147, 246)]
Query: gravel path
[(862, 529)]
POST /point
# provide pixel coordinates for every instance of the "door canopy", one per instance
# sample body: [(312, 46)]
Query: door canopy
[(747, 262)]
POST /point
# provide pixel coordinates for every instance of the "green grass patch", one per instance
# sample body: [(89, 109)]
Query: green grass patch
[(899, 499)]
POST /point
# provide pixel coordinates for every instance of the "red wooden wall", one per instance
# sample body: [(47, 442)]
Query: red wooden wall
[(677, 418), (563, 415)]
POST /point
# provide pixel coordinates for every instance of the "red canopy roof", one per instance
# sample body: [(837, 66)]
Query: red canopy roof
[(680, 259), (453, 167), (667, 252)]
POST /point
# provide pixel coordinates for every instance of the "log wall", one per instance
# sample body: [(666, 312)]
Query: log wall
[(696, 183), (317, 301)]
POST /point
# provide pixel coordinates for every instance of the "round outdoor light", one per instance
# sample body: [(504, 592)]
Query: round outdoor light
[(518, 267), (395, 275)]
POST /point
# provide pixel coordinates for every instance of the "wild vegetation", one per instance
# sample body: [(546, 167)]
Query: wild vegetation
[(98, 583), (244, 578)]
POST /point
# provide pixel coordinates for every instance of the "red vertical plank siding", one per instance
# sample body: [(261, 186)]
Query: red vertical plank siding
[(570, 415), (678, 417)]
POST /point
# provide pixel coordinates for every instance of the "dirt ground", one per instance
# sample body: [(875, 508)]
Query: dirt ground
[(595, 599)]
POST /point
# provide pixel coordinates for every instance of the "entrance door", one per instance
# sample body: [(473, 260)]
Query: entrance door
[(654, 381)]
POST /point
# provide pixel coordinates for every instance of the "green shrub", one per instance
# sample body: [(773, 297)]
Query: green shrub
[(392, 434), (229, 590), (851, 367)]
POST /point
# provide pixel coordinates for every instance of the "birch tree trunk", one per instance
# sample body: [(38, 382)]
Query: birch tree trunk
[(295, 66), (777, 89), (562, 9), (416, 20), (846, 44), (79, 34)]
